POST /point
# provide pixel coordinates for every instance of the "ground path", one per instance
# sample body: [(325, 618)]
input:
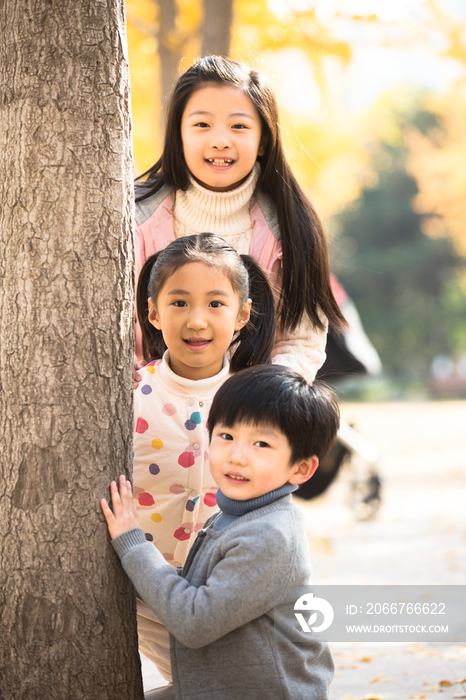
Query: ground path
[(419, 537)]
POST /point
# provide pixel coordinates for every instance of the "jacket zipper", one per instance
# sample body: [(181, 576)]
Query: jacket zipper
[(193, 551)]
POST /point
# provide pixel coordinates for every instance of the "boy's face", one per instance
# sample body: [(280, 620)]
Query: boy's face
[(248, 460)]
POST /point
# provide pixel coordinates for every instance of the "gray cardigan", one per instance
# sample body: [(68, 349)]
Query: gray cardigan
[(220, 608)]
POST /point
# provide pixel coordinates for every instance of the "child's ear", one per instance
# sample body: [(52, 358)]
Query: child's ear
[(243, 316), (153, 316), (263, 143), (302, 471)]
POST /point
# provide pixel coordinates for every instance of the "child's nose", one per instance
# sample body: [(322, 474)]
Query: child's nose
[(220, 139), (197, 321), (238, 454)]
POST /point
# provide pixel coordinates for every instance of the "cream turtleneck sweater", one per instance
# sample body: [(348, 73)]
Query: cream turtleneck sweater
[(199, 210), (227, 214)]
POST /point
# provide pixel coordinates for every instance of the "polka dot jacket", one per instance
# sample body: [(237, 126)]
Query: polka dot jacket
[(173, 487)]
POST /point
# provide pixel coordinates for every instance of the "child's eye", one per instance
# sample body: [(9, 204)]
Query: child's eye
[(226, 436), (179, 303), (239, 126), (216, 304), (261, 443), (203, 125)]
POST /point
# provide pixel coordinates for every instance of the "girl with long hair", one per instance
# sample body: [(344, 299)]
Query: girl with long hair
[(223, 169)]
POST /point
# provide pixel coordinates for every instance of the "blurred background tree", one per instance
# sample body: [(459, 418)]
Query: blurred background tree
[(387, 175), (407, 286), (438, 155)]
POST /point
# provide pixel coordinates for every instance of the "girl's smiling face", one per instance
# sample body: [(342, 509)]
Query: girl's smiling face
[(198, 312), (221, 131)]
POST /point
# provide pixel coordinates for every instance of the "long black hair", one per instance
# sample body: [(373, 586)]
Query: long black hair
[(306, 281), (253, 343)]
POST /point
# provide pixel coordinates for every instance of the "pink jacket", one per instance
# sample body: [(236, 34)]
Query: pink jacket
[(303, 350), (156, 231)]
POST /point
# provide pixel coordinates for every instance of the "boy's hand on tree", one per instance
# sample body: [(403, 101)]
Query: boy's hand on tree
[(124, 516)]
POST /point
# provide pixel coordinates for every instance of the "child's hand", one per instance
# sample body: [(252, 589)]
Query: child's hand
[(124, 516), (137, 365)]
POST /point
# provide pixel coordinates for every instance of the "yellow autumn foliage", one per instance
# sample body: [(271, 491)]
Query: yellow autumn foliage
[(144, 63), (327, 150), (142, 33)]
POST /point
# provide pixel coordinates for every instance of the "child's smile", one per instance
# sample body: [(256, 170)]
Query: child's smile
[(236, 477), (220, 162), (197, 344)]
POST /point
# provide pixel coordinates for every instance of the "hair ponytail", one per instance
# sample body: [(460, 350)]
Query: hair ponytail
[(257, 337), (153, 344)]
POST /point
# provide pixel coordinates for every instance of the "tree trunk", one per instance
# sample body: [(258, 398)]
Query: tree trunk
[(218, 16), (67, 623)]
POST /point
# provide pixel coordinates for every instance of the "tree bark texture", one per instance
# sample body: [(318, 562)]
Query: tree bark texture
[(67, 622), (218, 16)]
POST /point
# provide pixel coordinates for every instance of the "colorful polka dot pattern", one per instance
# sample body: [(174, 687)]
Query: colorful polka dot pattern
[(169, 409), (173, 488), (141, 425), (193, 421)]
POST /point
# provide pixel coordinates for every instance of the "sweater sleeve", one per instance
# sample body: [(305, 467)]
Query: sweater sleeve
[(248, 580), (303, 350)]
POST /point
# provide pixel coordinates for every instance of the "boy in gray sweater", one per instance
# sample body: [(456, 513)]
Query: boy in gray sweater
[(268, 429)]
